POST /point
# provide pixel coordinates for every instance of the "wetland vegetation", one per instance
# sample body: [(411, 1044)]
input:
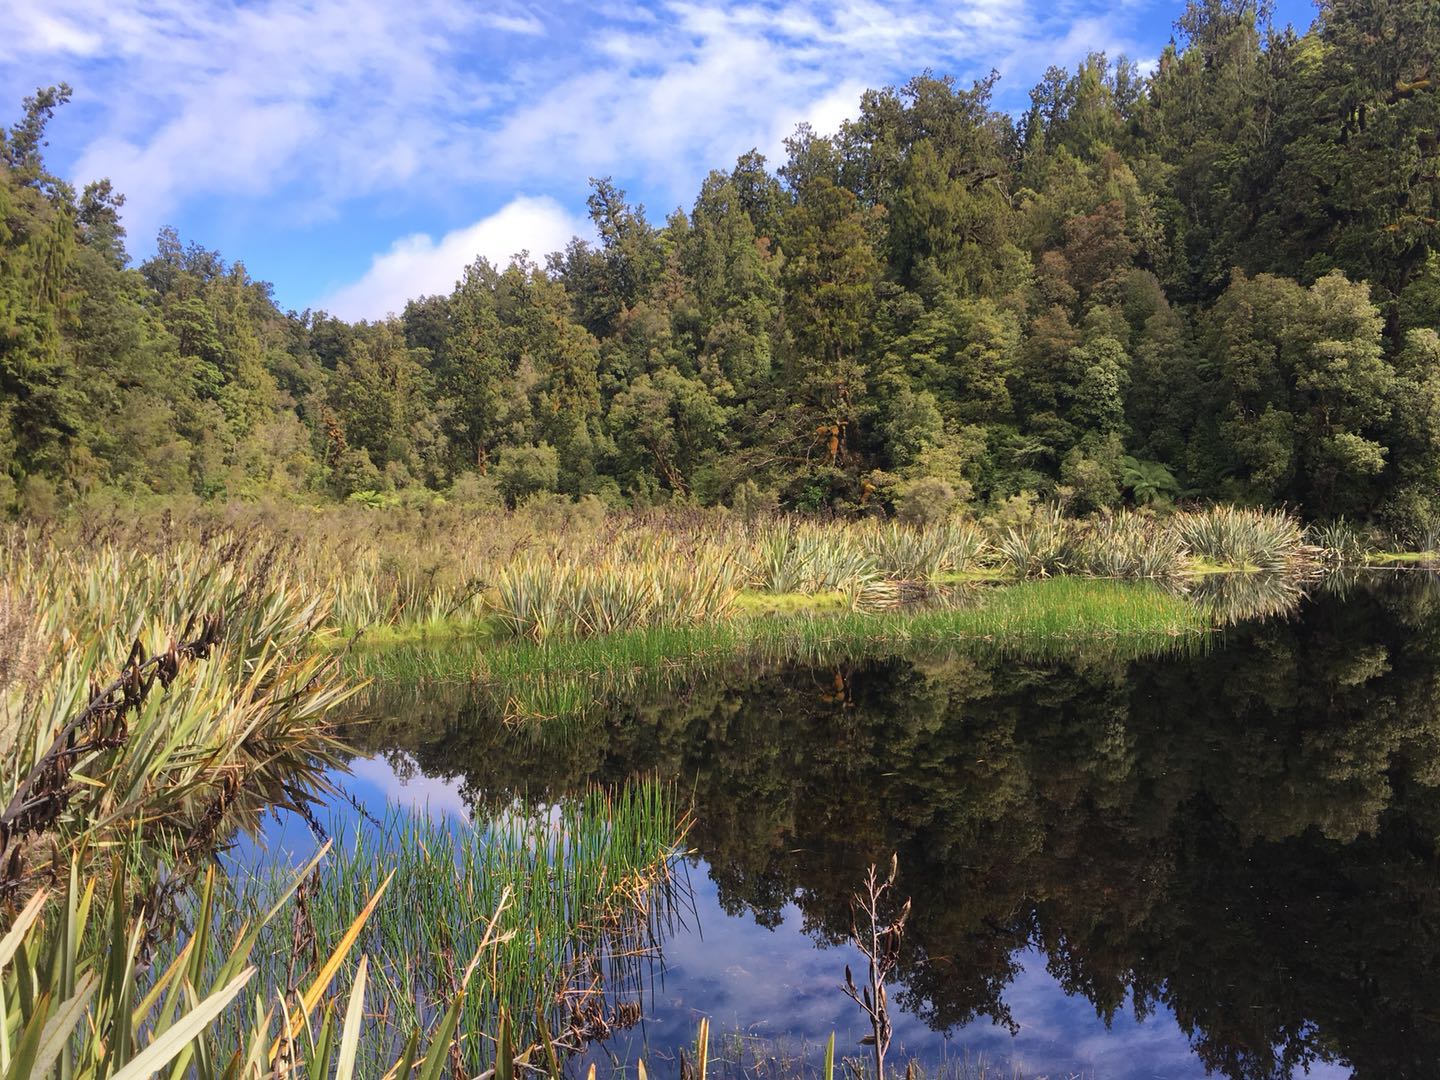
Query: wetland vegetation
[(1041, 505), (533, 926)]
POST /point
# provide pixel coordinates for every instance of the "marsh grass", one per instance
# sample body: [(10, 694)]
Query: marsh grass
[(431, 573), (924, 553), (592, 888), (789, 556), (565, 677), (155, 701)]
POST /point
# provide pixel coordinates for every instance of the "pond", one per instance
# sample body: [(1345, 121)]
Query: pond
[(1220, 861)]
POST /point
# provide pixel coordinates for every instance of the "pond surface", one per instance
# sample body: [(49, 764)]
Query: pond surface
[(1221, 863)]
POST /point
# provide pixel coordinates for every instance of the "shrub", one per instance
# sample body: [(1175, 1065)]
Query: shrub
[(1229, 535), (1043, 546), (523, 471), (470, 489), (1129, 545), (926, 501)]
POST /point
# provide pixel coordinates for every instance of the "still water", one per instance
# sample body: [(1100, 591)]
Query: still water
[(1221, 863)]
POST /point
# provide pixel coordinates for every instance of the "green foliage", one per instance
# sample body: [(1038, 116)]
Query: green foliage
[(1149, 482), (523, 471), (546, 894), (1212, 281), (1225, 535)]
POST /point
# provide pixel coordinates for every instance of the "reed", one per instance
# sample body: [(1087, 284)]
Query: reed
[(84, 998), (589, 887), (428, 572)]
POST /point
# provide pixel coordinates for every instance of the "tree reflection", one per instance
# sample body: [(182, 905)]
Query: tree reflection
[(1246, 836)]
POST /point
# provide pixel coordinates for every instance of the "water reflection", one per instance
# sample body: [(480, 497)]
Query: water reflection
[(1243, 839)]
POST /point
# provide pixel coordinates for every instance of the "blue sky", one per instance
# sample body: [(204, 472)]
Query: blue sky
[(357, 152)]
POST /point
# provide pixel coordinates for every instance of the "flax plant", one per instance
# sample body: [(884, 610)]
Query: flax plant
[(1042, 547), (923, 553), (1129, 545), (236, 723), (540, 597), (1245, 539)]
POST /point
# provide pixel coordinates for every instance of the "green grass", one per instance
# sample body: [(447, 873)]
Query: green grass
[(1051, 616), (1403, 557), (589, 885)]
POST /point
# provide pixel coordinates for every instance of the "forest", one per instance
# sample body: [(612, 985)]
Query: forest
[(1213, 280)]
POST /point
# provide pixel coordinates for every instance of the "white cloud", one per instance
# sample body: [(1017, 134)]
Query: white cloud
[(325, 100), (44, 32), (420, 266), (304, 106), (440, 798), (712, 79)]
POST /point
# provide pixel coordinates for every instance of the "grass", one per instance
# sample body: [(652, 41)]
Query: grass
[(1053, 616), (429, 573), (646, 586), (794, 603), (590, 888)]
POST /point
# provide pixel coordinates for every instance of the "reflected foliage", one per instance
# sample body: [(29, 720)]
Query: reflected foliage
[(1245, 836)]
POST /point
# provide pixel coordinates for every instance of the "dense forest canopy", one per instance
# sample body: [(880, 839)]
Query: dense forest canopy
[(1219, 280)]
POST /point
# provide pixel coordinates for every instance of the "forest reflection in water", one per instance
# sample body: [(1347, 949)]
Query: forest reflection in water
[(1244, 836)]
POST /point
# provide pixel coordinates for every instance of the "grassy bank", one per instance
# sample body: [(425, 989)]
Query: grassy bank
[(408, 573)]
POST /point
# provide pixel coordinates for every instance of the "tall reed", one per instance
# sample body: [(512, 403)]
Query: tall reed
[(589, 885)]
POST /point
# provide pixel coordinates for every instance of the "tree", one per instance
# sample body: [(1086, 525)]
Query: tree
[(1306, 392), (829, 276)]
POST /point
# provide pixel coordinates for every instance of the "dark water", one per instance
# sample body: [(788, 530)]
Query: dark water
[(1218, 864)]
